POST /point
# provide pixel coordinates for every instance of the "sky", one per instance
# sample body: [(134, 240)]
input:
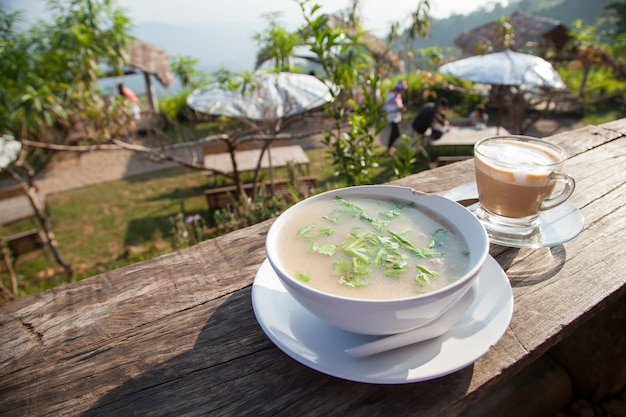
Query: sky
[(219, 33), (377, 13)]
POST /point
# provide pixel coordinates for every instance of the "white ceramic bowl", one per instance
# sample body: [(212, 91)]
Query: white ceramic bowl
[(383, 317)]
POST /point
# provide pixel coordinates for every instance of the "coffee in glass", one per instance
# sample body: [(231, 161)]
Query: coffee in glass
[(516, 178)]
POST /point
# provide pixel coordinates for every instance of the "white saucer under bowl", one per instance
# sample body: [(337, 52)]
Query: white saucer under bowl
[(321, 346), (559, 225)]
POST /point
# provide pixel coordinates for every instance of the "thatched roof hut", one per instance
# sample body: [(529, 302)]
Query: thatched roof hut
[(536, 32), (151, 60)]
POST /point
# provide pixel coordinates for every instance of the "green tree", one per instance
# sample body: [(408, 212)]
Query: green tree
[(415, 26), (277, 43), (615, 12), (185, 69), (50, 81), (350, 67), (588, 49)]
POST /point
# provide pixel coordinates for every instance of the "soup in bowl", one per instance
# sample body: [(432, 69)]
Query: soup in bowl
[(377, 259)]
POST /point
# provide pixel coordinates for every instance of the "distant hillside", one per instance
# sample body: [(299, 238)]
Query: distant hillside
[(444, 31)]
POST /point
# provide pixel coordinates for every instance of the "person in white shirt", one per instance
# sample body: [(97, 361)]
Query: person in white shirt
[(394, 107), (479, 117)]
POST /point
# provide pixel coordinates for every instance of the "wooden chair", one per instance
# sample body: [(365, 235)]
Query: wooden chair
[(25, 242), (18, 244)]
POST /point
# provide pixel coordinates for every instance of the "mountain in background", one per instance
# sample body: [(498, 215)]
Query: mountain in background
[(444, 31), (232, 47)]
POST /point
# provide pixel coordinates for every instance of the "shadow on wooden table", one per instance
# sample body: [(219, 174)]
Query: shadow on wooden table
[(246, 374), (547, 263)]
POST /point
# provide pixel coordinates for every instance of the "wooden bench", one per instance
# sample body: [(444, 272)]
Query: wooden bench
[(221, 197), (25, 242), (15, 205)]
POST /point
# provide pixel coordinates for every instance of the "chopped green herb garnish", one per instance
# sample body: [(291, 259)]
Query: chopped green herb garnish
[(339, 216), (304, 230), (426, 271), (372, 245), (352, 206), (408, 245), (352, 273), (328, 250), (303, 277), (427, 253), (437, 237), (400, 205), (389, 214), (423, 275), (310, 231), (422, 280), (378, 224)]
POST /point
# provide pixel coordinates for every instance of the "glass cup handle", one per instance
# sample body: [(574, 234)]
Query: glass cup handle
[(568, 188)]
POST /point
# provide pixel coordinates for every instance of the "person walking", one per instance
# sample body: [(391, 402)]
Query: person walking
[(394, 107)]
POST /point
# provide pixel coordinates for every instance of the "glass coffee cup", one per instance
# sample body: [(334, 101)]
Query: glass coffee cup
[(518, 177)]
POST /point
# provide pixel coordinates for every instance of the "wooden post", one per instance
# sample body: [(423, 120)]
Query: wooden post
[(43, 220), (151, 93), (9, 265)]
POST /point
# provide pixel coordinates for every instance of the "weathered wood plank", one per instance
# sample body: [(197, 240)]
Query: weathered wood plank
[(177, 335), (71, 317)]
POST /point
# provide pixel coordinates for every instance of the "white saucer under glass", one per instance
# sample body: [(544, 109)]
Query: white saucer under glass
[(554, 227), (321, 346)]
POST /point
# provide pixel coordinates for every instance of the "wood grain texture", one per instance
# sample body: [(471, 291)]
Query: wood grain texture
[(176, 335)]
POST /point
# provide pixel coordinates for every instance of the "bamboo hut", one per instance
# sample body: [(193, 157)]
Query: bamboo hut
[(151, 61), (531, 32)]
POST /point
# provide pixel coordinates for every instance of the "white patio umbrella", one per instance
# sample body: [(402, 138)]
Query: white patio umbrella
[(505, 68), (271, 96)]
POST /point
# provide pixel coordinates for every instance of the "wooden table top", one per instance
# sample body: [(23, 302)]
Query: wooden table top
[(248, 160), (467, 135), (177, 335), (17, 208)]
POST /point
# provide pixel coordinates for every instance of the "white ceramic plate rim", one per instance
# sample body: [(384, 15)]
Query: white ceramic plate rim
[(320, 346)]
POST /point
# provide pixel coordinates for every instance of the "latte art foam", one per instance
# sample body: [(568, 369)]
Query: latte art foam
[(513, 177), (517, 162)]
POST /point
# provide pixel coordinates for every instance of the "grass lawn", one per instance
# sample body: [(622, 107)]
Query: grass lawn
[(108, 225), (112, 224)]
